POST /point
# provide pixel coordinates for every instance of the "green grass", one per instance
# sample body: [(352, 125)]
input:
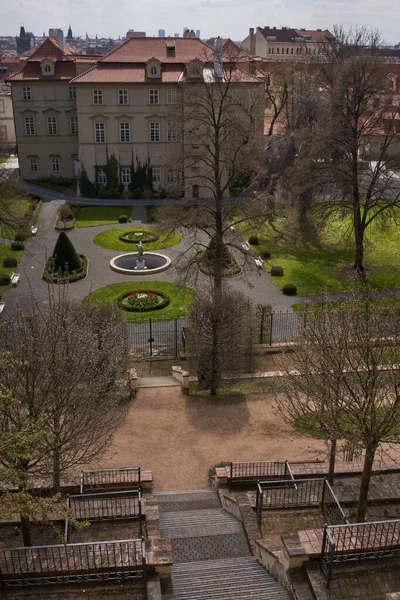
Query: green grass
[(91, 216), (6, 251), (328, 266), (180, 298), (57, 187), (3, 159), (110, 239)]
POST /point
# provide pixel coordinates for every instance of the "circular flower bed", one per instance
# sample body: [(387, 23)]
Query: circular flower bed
[(134, 237), (143, 300)]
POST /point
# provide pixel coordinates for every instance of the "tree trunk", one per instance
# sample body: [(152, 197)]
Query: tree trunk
[(359, 240), (365, 481), (26, 531), (56, 471), (332, 458)]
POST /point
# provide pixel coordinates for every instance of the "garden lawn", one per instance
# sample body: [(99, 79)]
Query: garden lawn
[(180, 298), (328, 267), (110, 239), (6, 251), (91, 216)]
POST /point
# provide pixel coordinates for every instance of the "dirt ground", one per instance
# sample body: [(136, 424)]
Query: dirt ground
[(181, 437)]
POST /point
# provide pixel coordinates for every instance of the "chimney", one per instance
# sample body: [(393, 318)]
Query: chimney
[(218, 59), (58, 35), (252, 42)]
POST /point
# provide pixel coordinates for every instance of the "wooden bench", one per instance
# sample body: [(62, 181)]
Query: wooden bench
[(115, 479), (14, 278), (2, 306)]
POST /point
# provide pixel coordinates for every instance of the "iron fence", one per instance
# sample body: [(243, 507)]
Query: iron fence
[(153, 338), (110, 479), (69, 563), (8, 149), (243, 472), (299, 493), (359, 541), (105, 506)]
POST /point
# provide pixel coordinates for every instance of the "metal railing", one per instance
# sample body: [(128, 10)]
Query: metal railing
[(69, 563), (105, 506), (256, 470), (299, 493), (359, 541), (110, 479)]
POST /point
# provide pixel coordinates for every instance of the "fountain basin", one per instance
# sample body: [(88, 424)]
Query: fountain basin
[(126, 263)]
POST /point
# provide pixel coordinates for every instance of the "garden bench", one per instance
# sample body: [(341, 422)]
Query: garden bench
[(14, 278), (246, 246), (34, 230), (2, 305), (259, 264)]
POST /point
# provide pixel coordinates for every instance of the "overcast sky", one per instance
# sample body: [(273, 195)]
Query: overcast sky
[(228, 18)]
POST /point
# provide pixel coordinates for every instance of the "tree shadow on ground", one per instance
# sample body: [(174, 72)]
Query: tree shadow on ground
[(225, 414)]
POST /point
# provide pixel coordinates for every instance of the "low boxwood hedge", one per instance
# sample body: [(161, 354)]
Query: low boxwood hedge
[(134, 237), (150, 300), (289, 289), (73, 276)]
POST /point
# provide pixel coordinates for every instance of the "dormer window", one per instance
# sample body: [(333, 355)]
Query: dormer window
[(153, 69), (48, 67), (195, 69)]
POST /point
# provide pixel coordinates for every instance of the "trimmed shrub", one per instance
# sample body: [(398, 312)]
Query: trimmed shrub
[(21, 236), (123, 219), (65, 257), (59, 276), (137, 193), (17, 246), (254, 240), (276, 271), (5, 279), (9, 262), (265, 254), (289, 289)]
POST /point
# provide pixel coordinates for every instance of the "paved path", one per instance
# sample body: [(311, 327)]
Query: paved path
[(260, 288)]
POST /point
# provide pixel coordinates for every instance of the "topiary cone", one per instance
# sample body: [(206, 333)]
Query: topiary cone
[(65, 256)]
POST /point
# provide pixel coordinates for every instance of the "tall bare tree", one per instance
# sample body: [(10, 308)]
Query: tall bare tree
[(354, 151), (343, 379), (66, 360)]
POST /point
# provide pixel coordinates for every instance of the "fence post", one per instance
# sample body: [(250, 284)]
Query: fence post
[(151, 339), (175, 338), (82, 481), (270, 329), (144, 565)]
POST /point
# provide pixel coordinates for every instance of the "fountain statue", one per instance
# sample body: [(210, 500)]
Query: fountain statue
[(140, 263)]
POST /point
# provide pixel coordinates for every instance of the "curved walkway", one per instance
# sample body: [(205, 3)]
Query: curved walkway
[(260, 288)]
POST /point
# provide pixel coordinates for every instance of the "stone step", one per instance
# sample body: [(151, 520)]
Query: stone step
[(194, 523), (201, 548), (150, 382), (220, 563), (185, 501), (183, 495)]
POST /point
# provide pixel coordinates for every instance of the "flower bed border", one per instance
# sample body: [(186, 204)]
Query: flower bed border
[(163, 304), (152, 237)]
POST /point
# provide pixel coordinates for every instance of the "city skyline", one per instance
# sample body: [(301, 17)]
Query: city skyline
[(228, 18)]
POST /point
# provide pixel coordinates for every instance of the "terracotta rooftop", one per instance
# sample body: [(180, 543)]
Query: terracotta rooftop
[(127, 73), (49, 49), (140, 50), (33, 72)]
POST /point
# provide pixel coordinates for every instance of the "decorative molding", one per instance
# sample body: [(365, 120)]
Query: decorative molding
[(99, 117), (124, 117)]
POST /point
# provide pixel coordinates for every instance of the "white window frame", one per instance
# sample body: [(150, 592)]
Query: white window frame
[(172, 177), (155, 131), (55, 165), (98, 97), (71, 92), (100, 133), (73, 125), (156, 175), (33, 164), (27, 93), (123, 97), (126, 175), (125, 132), (30, 126), (154, 96), (52, 125), (171, 96), (101, 176), (171, 132)]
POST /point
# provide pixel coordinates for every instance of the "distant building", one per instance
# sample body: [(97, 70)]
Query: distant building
[(189, 33), (69, 34), (161, 33), (198, 33), (176, 35), (285, 43), (135, 34), (24, 41)]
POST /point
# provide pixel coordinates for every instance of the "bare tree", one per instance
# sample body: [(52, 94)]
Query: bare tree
[(66, 361), (354, 152), (343, 379), (11, 198), (219, 335)]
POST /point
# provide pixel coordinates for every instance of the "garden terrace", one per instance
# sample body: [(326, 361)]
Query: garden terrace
[(110, 479), (302, 493), (249, 473), (70, 563), (343, 543), (106, 506)]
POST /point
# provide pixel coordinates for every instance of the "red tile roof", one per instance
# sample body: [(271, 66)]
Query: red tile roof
[(135, 50), (49, 49), (127, 73), (33, 72), (315, 35)]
